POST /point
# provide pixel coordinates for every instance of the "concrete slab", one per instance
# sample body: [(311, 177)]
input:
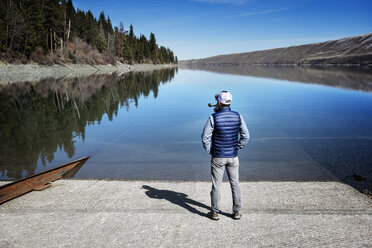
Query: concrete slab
[(103, 213)]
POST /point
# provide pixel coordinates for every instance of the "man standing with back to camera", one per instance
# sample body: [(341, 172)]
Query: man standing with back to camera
[(221, 139)]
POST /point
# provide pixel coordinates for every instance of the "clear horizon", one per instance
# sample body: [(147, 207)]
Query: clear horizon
[(204, 28)]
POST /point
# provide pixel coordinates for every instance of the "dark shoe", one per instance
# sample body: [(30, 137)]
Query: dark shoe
[(237, 216), (213, 216)]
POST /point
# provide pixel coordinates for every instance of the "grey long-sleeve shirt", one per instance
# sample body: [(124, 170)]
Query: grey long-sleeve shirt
[(208, 132)]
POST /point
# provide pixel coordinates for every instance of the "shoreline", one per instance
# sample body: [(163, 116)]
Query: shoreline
[(197, 63), (72, 212), (12, 73)]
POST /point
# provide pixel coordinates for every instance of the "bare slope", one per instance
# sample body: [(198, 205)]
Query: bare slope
[(353, 50)]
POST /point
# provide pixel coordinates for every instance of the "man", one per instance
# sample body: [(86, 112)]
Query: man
[(221, 139)]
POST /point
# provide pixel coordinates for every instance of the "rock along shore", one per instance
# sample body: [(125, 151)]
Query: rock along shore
[(109, 213), (10, 73)]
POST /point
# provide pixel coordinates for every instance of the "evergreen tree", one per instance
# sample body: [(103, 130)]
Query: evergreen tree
[(131, 33), (35, 29), (70, 20), (52, 22), (109, 25), (121, 40), (146, 47), (153, 48), (51, 25), (152, 43), (127, 53), (3, 17), (92, 30), (14, 26), (140, 52)]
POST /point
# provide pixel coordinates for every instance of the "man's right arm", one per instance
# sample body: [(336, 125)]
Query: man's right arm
[(207, 134)]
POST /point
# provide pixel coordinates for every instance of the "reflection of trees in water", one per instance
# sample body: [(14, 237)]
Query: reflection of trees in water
[(38, 118)]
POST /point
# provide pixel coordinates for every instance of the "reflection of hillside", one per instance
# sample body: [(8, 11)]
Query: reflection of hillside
[(356, 78), (38, 118)]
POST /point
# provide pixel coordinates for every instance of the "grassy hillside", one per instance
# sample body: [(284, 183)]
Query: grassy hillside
[(355, 50)]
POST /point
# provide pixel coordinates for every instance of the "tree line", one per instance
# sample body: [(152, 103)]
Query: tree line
[(34, 29)]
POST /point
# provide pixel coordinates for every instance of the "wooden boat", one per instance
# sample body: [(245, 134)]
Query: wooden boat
[(39, 181)]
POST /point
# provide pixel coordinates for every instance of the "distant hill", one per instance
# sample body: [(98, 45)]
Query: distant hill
[(356, 50)]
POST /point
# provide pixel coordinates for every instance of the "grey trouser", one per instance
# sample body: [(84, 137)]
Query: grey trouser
[(217, 169)]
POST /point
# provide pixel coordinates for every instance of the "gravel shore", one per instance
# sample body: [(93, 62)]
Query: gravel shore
[(10, 73), (109, 213)]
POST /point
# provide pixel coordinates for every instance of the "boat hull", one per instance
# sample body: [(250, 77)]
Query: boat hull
[(39, 181)]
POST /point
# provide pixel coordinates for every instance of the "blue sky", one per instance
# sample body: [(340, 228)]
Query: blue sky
[(203, 28)]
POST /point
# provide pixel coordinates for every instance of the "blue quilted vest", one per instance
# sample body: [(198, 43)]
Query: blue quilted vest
[(225, 136)]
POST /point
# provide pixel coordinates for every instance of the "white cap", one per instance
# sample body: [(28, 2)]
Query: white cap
[(225, 97)]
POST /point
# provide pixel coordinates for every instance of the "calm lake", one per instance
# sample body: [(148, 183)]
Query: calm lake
[(305, 124)]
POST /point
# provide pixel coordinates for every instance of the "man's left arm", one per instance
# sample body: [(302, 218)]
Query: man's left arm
[(207, 134), (244, 134)]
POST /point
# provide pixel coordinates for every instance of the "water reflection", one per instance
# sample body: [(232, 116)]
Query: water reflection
[(356, 78), (332, 127), (300, 132), (39, 118)]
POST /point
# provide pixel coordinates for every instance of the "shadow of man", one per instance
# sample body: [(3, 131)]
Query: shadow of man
[(177, 198)]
